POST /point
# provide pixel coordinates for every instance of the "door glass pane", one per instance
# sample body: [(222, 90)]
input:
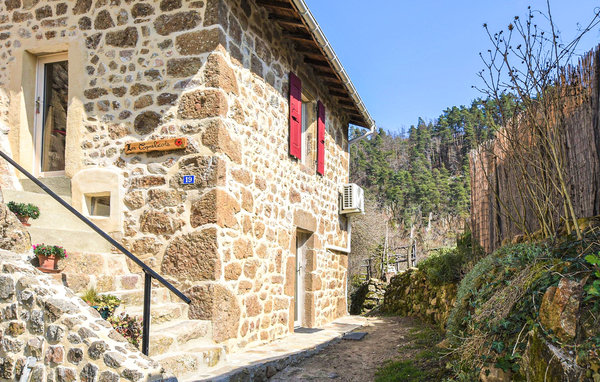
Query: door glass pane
[(54, 129)]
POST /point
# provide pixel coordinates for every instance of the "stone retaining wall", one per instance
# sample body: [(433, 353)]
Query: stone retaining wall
[(68, 340), (367, 296), (410, 294)]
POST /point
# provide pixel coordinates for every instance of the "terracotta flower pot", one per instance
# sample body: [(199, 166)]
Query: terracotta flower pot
[(23, 219), (48, 263)]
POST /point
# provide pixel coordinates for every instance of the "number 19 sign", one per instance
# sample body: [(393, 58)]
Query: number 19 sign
[(189, 179)]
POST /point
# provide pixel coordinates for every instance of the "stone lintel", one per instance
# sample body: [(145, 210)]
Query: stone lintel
[(305, 221)]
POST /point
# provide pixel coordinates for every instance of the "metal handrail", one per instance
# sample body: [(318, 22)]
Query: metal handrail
[(149, 274)]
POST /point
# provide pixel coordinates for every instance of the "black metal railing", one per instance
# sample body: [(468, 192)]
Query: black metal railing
[(149, 274)]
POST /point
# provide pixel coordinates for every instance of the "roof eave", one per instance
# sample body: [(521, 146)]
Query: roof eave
[(310, 24)]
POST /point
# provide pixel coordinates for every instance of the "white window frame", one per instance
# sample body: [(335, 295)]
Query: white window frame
[(38, 121), (305, 126)]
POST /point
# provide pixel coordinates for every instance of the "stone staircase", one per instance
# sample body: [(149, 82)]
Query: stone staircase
[(183, 346), (56, 225)]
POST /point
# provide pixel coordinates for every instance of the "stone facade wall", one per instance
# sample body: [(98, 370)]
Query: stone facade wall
[(216, 72), (410, 294), (68, 340), (279, 195)]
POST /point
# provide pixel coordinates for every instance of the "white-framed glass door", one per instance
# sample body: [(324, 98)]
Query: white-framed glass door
[(301, 240), (50, 120)]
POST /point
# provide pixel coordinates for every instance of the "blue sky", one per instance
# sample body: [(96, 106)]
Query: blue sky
[(411, 59)]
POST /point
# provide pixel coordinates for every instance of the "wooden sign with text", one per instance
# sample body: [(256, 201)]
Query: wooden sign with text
[(156, 145)]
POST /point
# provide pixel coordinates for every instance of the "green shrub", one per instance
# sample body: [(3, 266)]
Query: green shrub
[(448, 265), (485, 278), (90, 296), (443, 267)]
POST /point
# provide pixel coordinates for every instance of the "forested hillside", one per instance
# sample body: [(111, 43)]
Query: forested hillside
[(419, 174)]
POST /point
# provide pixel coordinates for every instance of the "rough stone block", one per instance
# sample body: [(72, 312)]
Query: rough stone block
[(159, 223), (216, 13), (216, 303), (13, 236), (89, 373), (217, 138), (193, 257), (125, 38), (233, 271), (55, 354), (65, 374), (290, 276), (183, 67), (215, 207), (560, 308), (202, 104), (82, 263), (146, 122), (159, 198), (169, 23), (218, 74), (198, 42), (242, 249)]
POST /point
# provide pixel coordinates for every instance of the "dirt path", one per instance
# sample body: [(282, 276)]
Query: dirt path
[(398, 338)]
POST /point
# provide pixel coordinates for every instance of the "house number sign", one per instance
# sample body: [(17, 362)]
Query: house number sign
[(156, 145)]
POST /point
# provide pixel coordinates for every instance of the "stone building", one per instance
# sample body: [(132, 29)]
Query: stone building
[(209, 136)]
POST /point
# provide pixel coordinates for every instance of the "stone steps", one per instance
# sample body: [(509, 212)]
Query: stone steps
[(195, 359), (160, 313), (114, 264), (71, 240), (179, 335), (102, 283), (135, 297), (185, 345)]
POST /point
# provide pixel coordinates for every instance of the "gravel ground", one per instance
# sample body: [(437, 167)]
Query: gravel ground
[(357, 361)]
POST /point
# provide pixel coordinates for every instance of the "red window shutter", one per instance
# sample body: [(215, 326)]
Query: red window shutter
[(295, 116), (320, 138)]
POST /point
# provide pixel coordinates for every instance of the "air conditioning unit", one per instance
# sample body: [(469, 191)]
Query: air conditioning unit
[(352, 200)]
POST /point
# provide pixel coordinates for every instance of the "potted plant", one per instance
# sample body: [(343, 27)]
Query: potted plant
[(48, 256), (107, 304), (24, 211), (104, 304)]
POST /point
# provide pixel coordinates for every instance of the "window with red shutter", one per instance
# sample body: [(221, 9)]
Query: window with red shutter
[(295, 116), (320, 138)]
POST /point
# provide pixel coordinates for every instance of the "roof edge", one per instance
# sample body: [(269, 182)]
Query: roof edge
[(315, 29)]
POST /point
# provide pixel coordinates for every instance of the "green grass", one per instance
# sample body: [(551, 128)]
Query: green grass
[(425, 365), (399, 371), (428, 354)]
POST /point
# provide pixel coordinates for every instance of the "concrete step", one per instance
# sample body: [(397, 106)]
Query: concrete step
[(61, 185), (71, 240), (160, 314), (179, 335), (80, 282), (99, 264), (52, 213), (189, 363), (135, 297), (56, 225)]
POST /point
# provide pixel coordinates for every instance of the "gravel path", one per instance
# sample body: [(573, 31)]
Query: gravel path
[(357, 361)]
